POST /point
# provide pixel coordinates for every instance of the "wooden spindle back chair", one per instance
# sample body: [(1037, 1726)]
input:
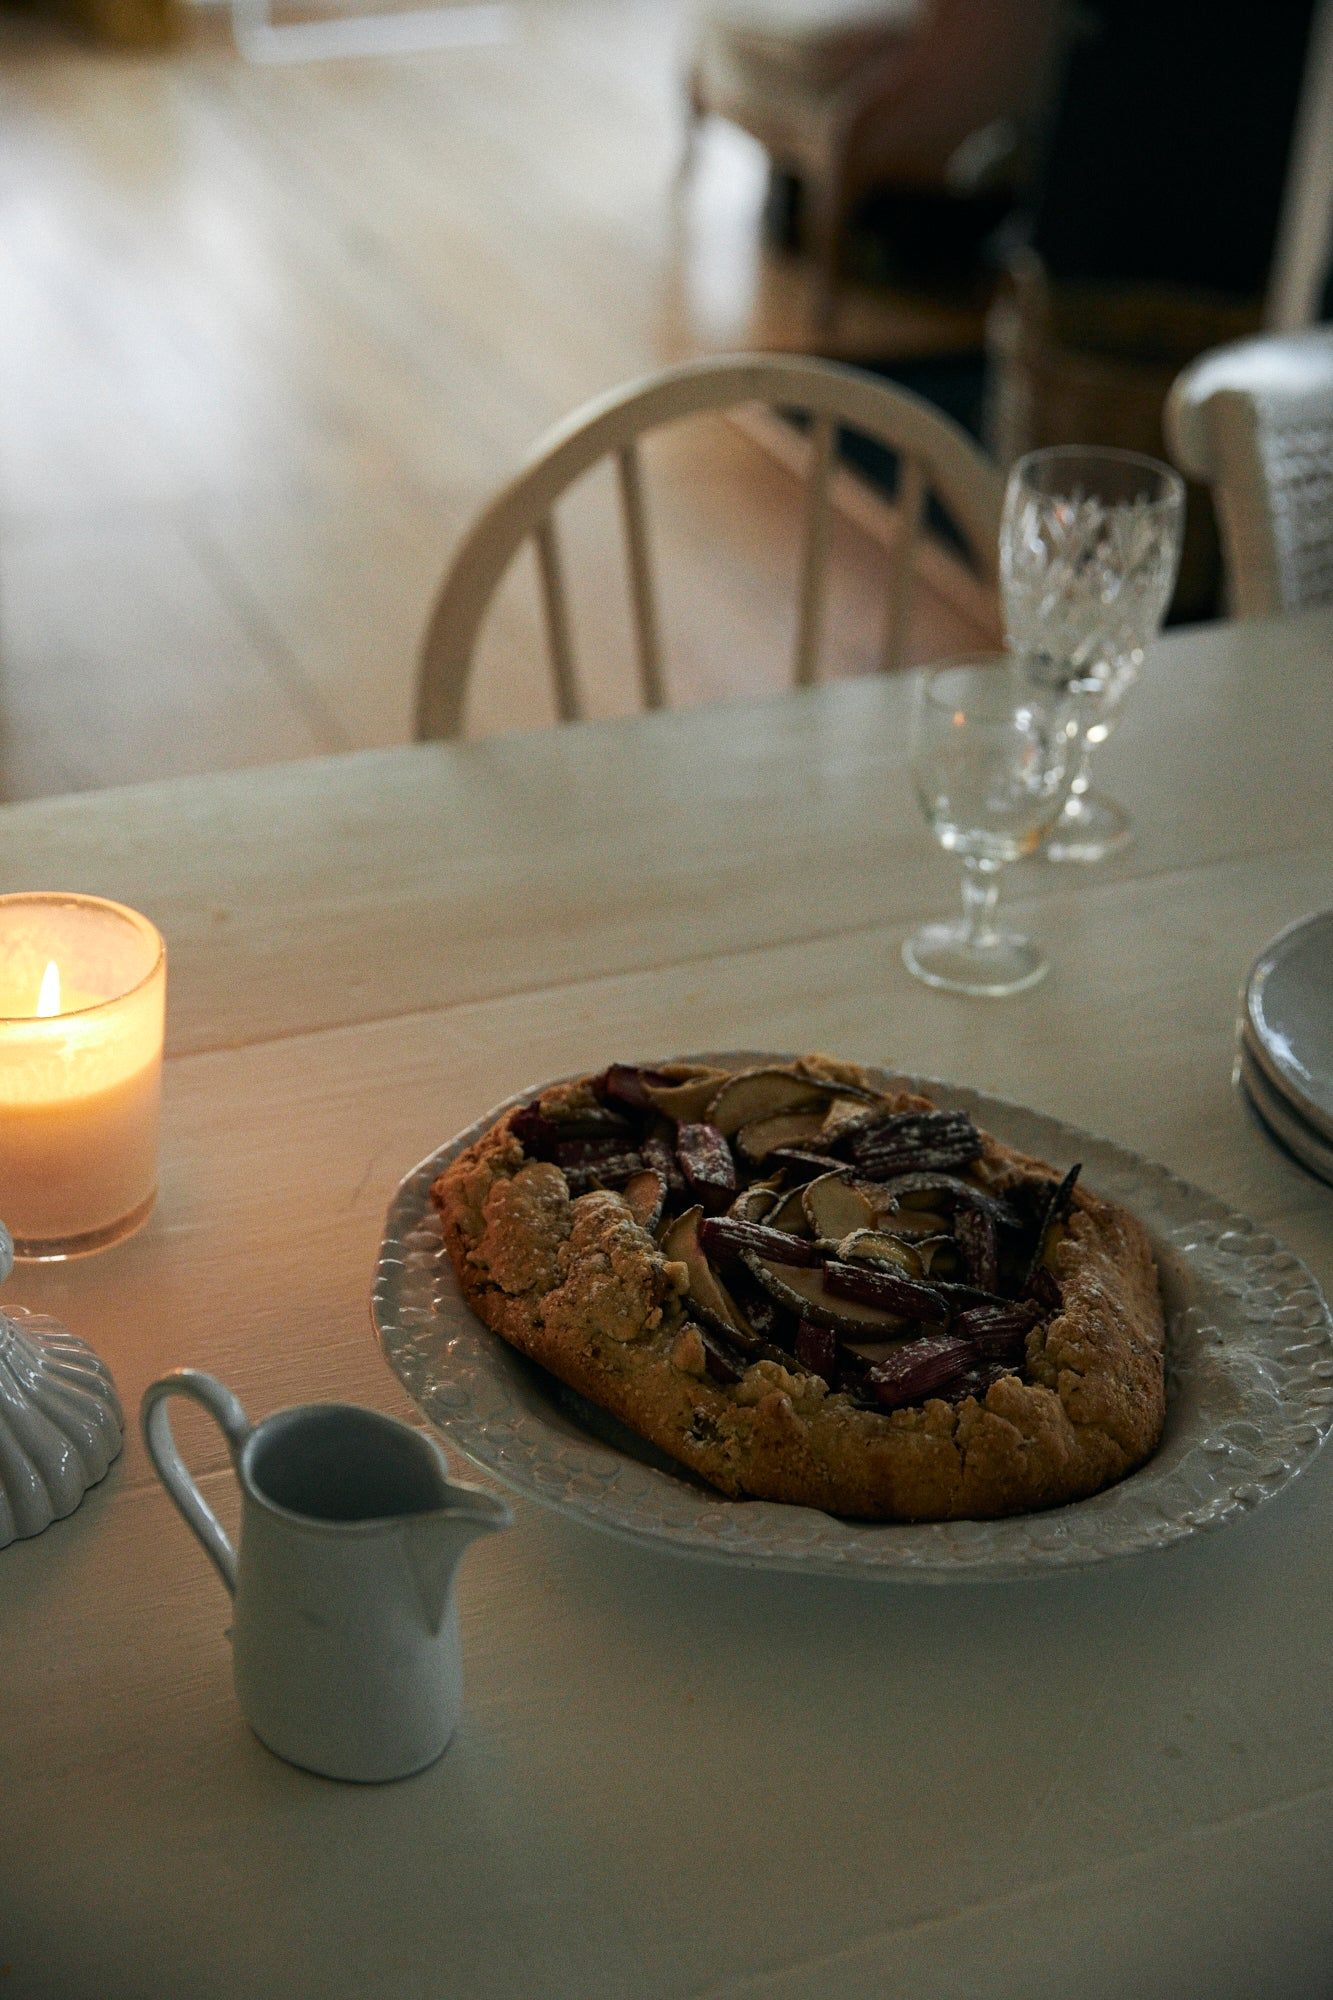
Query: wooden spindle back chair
[(935, 457)]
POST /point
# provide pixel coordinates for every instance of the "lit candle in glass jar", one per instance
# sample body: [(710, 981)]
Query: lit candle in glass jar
[(82, 1010)]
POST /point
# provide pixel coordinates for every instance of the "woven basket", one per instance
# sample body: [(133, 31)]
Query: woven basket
[(1092, 364)]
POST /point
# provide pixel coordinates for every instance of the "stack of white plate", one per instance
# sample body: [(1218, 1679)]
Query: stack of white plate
[(1284, 1040)]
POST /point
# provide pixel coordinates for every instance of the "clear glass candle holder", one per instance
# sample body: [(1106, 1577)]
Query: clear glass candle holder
[(82, 1017)]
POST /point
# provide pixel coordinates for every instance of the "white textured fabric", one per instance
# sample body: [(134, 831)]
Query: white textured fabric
[(1255, 421)]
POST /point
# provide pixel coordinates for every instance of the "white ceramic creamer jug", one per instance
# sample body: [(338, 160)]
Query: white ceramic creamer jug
[(345, 1632)]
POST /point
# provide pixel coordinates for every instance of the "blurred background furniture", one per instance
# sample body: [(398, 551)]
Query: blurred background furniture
[(334, 34), (935, 460), (1254, 421), (1125, 275), (114, 24), (848, 95), (1300, 277)]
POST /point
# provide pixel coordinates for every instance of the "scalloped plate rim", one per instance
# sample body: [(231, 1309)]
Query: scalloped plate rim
[(1012, 1548)]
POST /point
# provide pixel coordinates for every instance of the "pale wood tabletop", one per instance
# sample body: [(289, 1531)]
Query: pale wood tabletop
[(672, 1778)]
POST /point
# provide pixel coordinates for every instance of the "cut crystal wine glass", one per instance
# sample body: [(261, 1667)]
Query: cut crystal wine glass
[(992, 756), (1089, 549)]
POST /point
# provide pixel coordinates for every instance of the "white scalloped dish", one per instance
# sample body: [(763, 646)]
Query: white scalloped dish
[(1249, 1391)]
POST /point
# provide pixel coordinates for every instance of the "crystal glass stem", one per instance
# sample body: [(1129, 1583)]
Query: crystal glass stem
[(981, 893), (1082, 777)]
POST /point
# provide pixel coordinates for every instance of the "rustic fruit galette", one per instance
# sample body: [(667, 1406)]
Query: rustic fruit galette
[(806, 1288)]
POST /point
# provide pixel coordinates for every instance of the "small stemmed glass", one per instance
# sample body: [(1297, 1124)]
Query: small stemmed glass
[(992, 757), (1089, 549)]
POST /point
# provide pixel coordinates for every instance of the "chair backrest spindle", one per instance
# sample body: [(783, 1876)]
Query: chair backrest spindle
[(814, 561), (642, 597), (555, 603), (911, 503)]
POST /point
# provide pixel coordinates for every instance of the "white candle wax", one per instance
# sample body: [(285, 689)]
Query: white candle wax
[(80, 1071)]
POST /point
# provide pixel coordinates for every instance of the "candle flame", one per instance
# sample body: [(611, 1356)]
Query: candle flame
[(48, 999)]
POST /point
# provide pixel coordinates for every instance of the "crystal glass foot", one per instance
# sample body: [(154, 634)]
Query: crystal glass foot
[(992, 964), (1089, 829)]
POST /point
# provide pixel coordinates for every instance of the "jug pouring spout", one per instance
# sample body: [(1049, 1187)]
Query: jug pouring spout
[(433, 1543)]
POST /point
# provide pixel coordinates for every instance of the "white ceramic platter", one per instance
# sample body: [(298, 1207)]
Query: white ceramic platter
[(1289, 1013), (1250, 1392), (1275, 1112)]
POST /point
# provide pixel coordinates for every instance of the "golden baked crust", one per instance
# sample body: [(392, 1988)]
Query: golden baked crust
[(578, 1285)]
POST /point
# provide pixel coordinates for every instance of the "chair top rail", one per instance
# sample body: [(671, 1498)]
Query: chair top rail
[(897, 418)]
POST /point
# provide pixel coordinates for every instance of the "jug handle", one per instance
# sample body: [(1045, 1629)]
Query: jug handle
[(226, 1411)]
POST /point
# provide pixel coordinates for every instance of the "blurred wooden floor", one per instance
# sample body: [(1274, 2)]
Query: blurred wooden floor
[(269, 335)]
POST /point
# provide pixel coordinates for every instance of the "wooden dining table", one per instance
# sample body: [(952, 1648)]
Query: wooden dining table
[(674, 1777)]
